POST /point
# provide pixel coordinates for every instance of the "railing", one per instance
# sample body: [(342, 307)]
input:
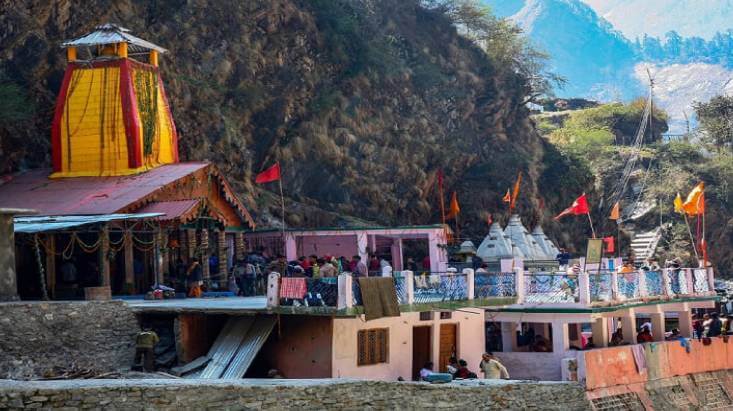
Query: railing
[(551, 288), (487, 285), (601, 285), (583, 289), (439, 287)]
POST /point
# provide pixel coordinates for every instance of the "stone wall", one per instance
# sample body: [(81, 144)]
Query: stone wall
[(289, 394), (37, 336)]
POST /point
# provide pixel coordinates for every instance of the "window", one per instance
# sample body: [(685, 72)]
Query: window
[(372, 346), (426, 316)]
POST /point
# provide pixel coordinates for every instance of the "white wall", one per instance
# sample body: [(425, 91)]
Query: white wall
[(470, 336)]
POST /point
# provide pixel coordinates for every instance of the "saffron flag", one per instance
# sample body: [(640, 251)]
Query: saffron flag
[(515, 193), (695, 203), (615, 212), (455, 209), (271, 174), (507, 197), (610, 244), (579, 206), (678, 205)]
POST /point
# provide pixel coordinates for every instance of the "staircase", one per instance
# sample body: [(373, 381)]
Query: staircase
[(644, 244)]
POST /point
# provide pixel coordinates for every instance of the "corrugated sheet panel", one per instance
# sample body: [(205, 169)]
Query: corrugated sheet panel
[(226, 346), (250, 346), (37, 224), (183, 210)]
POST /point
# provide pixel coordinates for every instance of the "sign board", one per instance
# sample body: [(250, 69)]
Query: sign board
[(594, 253)]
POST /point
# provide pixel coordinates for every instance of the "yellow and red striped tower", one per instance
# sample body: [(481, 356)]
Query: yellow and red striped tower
[(112, 116)]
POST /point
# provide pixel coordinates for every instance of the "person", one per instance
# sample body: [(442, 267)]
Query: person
[(194, 278), (483, 269), (315, 267), (628, 267), (360, 269), (411, 264), (214, 265), (650, 264), (384, 263), (327, 269), (644, 336), (279, 265), (716, 326), (463, 371), (68, 271), (306, 264), (386, 269), (373, 263), (426, 371), (492, 368), (452, 366), (426, 263), (675, 335), (145, 342), (563, 258), (540, 344), (617, 338), (698, 327)]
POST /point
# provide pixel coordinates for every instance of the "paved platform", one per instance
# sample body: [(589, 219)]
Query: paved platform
[(224, 305)]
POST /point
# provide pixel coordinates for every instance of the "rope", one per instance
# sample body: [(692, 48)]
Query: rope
[(41, 271)]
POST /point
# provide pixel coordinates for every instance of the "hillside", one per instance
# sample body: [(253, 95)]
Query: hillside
[(362, 102)]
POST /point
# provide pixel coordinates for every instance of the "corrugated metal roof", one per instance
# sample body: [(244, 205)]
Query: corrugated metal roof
[(38, 224), (182, 210), (88, 195), (226, 345), (110, 34), (250, 346)]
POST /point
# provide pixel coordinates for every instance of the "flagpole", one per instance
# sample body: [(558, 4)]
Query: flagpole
[(692, 239), (592, 230), (282, 204)]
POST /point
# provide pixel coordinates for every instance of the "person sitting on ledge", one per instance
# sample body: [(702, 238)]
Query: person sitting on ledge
[(644, 335)]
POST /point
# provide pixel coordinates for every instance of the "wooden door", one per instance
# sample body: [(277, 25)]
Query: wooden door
[(421, 348), (447, 345)]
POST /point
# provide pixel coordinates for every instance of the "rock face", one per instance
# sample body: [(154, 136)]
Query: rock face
[(361, 102), (36, 337)]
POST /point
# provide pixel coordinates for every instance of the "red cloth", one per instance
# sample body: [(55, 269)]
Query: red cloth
[(426, 263), (271, 174), (293, 287), (610, 244), (579, 206)]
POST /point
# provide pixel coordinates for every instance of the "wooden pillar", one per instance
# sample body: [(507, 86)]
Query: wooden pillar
[(222, 250), (204, 254), (129, 262), (104, 256), (657, 326), (166, 256), (51, 264), (191, 243), (239, 245)]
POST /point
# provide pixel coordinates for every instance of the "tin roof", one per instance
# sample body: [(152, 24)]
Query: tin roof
[(110, 34), (38, 224), (87, 195), (182, 210)]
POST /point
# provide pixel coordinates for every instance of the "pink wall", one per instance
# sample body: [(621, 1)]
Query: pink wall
[(608, 367), (544, 366), (327, 245), (470, 340)]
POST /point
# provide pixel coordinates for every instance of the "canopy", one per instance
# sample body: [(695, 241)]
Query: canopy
[(39, 224)]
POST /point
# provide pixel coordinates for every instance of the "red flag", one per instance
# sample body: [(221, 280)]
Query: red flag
[(580, 206), (610, 244), (489, 219), (271, 174)]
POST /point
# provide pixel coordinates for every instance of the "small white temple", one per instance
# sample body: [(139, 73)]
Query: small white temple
[(548, 247), (495, 246), (519, 238)]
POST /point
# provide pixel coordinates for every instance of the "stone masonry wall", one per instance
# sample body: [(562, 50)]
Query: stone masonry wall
[(288, 394), (37, 336)]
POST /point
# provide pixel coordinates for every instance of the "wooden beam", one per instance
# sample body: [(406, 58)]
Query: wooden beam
[(51, 264)]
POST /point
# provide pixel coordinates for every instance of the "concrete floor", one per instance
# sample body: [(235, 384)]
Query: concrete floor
[(222, 304)]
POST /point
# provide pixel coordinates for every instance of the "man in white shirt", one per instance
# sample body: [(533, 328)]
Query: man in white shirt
[(492, 368)]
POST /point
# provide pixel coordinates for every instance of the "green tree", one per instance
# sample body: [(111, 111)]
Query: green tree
[(716, 122)]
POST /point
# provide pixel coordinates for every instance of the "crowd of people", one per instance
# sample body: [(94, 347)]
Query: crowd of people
[(490, 367), (248, 275)]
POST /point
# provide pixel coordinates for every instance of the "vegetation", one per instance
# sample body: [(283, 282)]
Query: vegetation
[(716, 123), (674, 48)]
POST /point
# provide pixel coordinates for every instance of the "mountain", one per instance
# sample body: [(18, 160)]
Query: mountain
[(597, 61), (361, 102), (634, 18)]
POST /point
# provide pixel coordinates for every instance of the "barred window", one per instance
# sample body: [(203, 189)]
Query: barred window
[(372, 346)]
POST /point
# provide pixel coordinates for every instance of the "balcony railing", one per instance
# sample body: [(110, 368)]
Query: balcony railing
[(534, 289)]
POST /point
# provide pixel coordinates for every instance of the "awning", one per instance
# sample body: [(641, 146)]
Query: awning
[(182, 210), (39, 224)]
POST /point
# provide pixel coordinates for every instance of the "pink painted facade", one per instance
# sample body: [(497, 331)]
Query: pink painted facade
[(356, 241)]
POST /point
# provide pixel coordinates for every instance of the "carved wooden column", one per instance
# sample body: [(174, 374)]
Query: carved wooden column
[(129, 262), (104, 256), (221, 249), (239, 245), (204, 254)]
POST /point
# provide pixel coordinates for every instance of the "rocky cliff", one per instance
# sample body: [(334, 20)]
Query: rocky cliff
[(361, 102)]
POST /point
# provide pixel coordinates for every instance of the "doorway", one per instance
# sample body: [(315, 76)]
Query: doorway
[(421, 349), (447, 346)]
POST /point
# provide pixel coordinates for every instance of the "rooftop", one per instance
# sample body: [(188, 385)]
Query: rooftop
[(110, 34)]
